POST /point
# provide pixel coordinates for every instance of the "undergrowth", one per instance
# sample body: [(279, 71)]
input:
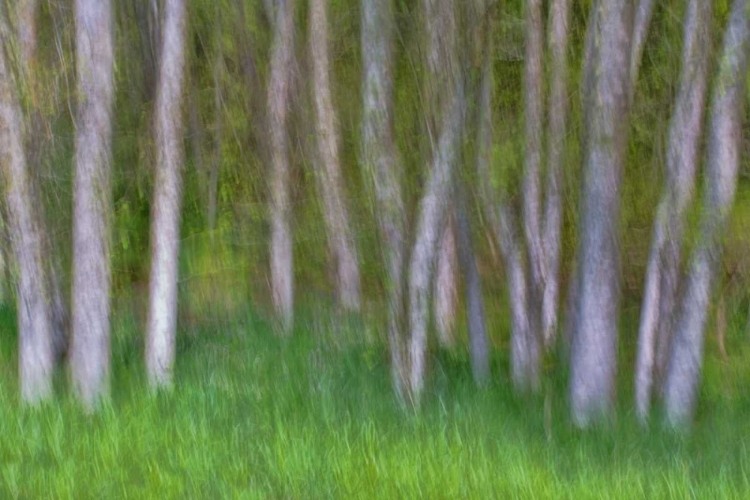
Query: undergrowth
[(256, 416)]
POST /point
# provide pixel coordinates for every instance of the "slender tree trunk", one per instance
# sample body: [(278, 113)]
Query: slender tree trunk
[(35, 349), (594, 347), (280, 251), (340, 238), (92, 208), (383, 167), (503, 221), (722, 164), (558, 116), (165, 216), (682, 162), (434, 203), (432, 211), (590, 56), (28, 14), (532, 194), (440, 52), (446, 286), (478, 342)]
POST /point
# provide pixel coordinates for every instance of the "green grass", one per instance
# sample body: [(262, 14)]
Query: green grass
[(254, 416)]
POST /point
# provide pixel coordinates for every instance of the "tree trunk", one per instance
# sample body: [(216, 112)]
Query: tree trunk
[(434, 203), (165, 216), (440, 52), (92, 208), (446, 289), (383, 168), (532, 192), (590, 56), (280, 251), (524, 359), (682, 161), (478, 342), (28, 14), (594, 347), (722, 164), (432, 211), (35, 349), (558, 116), (340, 238)]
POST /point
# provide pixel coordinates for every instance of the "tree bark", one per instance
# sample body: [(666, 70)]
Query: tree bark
[(340, 238), (557, 131), (594, 347), (532, 195), (440, 52), (446, 286), (432, 211), (682, 162), (35, 349), (478, 342), (165, 216), (92, 208), (502, 219), (280, 251), (28, 15), (722, 164), (434, 203), (383, 168)]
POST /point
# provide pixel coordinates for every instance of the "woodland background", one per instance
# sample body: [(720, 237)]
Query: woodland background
[(265, 406)]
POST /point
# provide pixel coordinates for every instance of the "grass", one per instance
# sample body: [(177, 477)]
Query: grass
[(255, 416)]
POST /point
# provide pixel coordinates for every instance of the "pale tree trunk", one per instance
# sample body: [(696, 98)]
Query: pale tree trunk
[(165, 215), (722, 164), (557, 131), (532, 198), (440, 43), (280, 251), (383, 168), (682, 162), (434, 203), (478, 342), (446, 286), (28, 14), (340, 239), (590, 56), (35, 349), (90, 352), (432, 211), (503, 221), (594, 349)]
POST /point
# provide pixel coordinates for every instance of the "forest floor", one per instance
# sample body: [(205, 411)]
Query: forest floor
[(255, 416)]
